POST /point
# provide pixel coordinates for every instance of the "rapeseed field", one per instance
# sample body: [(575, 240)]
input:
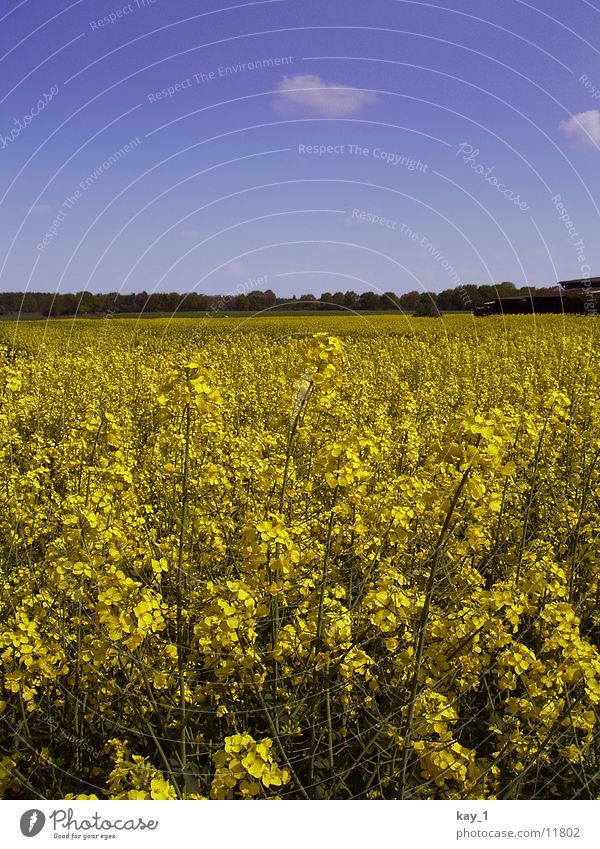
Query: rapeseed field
[(300, 558)]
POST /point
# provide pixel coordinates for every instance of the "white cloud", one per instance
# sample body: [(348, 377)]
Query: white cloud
[(237, 268), (583, 129), (40, 209), (309, 93)]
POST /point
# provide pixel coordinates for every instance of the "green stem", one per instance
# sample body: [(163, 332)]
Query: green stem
[(422, 627), (180, 586), (325, 570)]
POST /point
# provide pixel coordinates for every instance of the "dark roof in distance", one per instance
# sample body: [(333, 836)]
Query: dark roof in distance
[(557, 296), (581, 283)]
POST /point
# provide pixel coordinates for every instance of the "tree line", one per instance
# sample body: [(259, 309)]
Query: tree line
[(462, 298)]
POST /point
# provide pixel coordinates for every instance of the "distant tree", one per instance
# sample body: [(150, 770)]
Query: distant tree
[(487, 293), (464, 297), (409, 301), (240, 303), (196, 303), (269, 298), (471, 295), (544, 290), (31, 302), (67, 304), (134, 302), (169, 302), (506, 289), (368, 301), (307, 302), (389, 301), (427, 307), (450, 299), (261, 300)]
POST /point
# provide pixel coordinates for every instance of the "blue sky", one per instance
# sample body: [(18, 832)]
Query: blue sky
[(388, 145)]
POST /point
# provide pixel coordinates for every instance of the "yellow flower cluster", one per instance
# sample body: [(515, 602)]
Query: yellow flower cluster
[(243, 762)]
